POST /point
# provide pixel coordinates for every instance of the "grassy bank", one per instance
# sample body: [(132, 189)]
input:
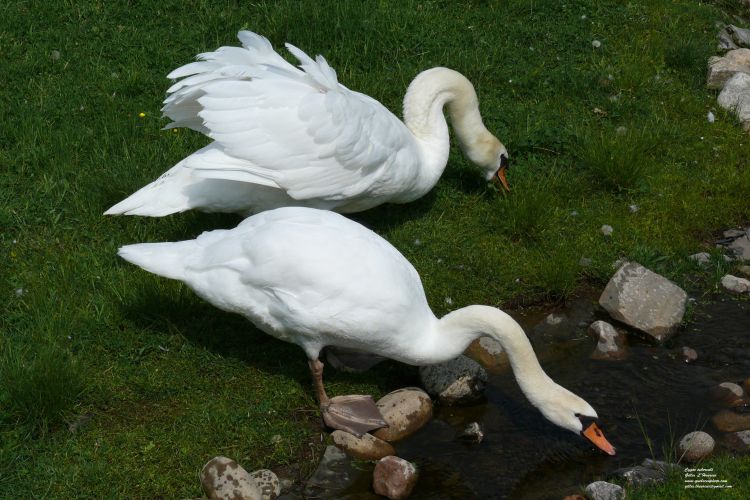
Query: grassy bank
[(114, 382)]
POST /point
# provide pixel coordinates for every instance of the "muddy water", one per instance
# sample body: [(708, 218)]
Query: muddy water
[(652, 393)]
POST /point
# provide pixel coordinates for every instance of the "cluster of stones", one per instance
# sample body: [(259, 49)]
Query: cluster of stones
[(731, 73), (736, 245), (733, 420)]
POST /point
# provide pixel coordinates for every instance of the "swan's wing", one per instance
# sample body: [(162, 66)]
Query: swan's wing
[(298, 129)]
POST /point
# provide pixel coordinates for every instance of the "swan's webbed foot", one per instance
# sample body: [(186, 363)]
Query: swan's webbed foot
[(354, 414)]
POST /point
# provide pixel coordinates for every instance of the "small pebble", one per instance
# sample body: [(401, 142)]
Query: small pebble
[(473, 433), (711, 117), (633, 208), (19, 292), (688, 354), (449, 301), (596, 44)]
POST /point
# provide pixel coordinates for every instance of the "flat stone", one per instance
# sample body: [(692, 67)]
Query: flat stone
[(721, 69), (489, 353), (695, 446), (602, 490), (394, 477), (729, 421), (368, 447), (735, 96), (333, 475), (610, 343), (406, 411), (644, 300), (224, 479), (459, 381), (735, 285)]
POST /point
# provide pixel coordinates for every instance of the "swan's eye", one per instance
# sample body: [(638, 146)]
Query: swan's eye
[(504, 163)]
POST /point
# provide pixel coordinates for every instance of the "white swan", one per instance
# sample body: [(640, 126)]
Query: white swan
[(285, 136), (315, 278)]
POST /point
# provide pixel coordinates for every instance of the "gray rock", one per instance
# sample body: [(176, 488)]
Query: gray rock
[(695, 446), (394, 477), (368, 447), (224, 479), (721, 69), (733, 284), (333, 475), (472, 433), (406, 411), (602, 490), (702, 258), (649, 472), (732, 35), (610, 343), (736, 96), (489, 353), (739, 247), (459, 381), (644, 300)]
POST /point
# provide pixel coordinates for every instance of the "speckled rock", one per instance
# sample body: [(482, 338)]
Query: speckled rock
[(644, 300), (721, 69), (602, 490), (368, 447), (733, 284), (224, 479), (610, 343), (729, 421), (268, 484), (394, 477), (459, 381), (695, 446), (405, 411), (489, 353)]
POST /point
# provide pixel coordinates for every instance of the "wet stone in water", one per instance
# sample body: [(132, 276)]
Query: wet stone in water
[(459, 381), (472, 433), (602, 490), (730, 421), (394, 477), (489, 353), (610, 343), (688, 354), (728, 394)]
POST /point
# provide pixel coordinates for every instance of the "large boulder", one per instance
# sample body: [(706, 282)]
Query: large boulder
[(458, 381), (721, 69), (644, 300), (736, 97)]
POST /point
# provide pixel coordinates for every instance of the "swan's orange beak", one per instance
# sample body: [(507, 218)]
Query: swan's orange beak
[(596, 436), (500, 179)]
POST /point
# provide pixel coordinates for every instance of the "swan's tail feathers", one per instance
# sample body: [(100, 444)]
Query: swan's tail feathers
[(164, 259), (157, 199)]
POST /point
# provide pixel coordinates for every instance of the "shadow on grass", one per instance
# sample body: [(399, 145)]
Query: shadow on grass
[(232, 336)]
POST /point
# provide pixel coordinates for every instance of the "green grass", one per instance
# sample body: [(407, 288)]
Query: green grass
[(170, 382)]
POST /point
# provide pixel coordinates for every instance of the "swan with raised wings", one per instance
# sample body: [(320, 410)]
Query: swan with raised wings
[(316, 278), (288, 136)]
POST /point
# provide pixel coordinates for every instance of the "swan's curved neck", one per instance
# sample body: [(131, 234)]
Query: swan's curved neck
[(461, 327), (423, 113)]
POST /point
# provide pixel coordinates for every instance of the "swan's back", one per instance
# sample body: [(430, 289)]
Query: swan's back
[(308, 276)]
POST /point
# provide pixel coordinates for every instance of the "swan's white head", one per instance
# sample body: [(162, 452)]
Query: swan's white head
[(488, 153), (565, 409)]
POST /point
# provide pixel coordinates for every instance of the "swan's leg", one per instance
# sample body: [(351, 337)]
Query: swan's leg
[(354, 414)]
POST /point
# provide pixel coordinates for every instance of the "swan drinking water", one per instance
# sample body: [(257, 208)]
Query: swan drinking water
[(285, 136), (317, 279)]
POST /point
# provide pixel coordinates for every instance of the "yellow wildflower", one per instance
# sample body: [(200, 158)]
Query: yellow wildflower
[(142, 114)]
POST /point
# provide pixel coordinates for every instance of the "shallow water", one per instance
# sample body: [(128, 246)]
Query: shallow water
[(653, 392)]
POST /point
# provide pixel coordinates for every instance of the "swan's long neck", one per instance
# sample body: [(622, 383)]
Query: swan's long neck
[(423, 114), (462, 326)]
